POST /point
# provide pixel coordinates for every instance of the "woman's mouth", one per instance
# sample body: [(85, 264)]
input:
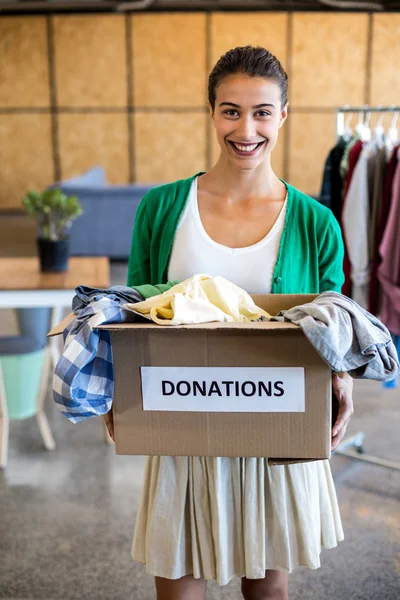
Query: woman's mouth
[(245, 149)]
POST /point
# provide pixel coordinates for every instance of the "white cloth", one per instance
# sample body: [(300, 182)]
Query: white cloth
[(220, 518), (193, 251), (355, 220), (200, 299)]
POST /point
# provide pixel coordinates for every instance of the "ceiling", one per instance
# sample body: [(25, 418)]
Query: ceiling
[(53, 6)]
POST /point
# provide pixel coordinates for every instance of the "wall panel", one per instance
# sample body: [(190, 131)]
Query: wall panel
[(90, 59), (385, 78), (169, 146), (164, 75), (25, 156), (24, 77), (266, 29), (329, 59), (311, 137), (169, 60), (87, 140)]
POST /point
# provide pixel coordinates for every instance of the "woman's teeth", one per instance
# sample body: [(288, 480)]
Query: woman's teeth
[(246, 148)]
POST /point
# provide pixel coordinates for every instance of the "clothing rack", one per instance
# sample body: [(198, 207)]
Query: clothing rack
[(353, 447), (361, 110)]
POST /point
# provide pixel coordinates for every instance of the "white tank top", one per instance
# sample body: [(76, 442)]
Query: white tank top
[(194, 252)]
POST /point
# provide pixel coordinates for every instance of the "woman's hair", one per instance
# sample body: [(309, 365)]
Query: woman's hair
[(253, 61)]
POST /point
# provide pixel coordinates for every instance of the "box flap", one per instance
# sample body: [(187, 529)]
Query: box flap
[(58, 329), (254, 325), (274, 303)]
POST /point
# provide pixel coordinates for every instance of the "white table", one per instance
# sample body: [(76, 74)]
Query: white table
[(22, 285)]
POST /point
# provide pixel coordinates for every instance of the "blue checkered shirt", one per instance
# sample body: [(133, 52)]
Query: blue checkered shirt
[(83, 381)]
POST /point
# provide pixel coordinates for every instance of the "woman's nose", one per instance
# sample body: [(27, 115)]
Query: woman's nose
[(246, 129)]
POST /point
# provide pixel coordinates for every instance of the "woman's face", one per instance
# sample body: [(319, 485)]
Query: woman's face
[(247, 117)]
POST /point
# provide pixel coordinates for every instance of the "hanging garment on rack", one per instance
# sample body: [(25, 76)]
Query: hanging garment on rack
[(332, 182), (355, 219), (389, 269), (378, 180), (375, 288), (352, 160), (345, 162)]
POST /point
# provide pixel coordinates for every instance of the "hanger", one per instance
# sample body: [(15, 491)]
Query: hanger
[(362, 129), (367, 129), (348, 132), (393, 134), (379, 131)]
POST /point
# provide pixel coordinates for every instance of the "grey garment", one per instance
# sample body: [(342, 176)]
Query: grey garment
[(85, 295), (346, 336)]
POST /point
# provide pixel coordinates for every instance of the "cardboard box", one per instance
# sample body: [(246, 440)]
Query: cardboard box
[(302, 431)]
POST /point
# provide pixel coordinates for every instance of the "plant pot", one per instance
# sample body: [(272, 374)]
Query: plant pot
[(53, 256)]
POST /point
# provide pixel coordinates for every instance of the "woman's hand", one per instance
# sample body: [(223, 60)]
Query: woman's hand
[(342, 386), (109, 423)]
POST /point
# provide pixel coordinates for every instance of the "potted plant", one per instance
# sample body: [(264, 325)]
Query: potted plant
[(54, 211)]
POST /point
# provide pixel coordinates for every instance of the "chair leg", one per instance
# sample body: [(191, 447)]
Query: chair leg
[(41, 418), (54, 342), (45, 431), (4, 424)]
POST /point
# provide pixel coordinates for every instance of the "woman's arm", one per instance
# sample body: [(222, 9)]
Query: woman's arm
[(331, 279), (342, 387)]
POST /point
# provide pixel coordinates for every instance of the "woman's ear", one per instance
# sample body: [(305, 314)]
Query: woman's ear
[(211, 110), (284, 114)]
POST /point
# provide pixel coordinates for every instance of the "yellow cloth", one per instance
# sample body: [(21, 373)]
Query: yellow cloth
[(200, 299)]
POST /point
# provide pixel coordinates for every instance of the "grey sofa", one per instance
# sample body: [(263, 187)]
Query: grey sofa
[(106, 225)]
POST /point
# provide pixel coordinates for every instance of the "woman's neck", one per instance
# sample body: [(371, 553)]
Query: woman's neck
[(225, 180)]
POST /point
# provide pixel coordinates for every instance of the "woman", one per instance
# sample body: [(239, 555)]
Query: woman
[(218, 518)]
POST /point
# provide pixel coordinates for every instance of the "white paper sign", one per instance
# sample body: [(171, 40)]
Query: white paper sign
[(223, 389)]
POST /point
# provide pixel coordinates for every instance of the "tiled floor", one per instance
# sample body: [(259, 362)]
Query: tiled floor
[(67, 517)]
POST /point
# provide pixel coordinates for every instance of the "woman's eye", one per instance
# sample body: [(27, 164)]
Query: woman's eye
[(231, 112), (263, 113)]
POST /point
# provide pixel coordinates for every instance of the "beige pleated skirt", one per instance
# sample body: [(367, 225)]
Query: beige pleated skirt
[(220, 518)]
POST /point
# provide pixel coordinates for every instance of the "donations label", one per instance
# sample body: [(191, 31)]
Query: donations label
[(223, 389)]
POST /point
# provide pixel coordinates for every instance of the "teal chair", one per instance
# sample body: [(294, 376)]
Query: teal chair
[(24, 373)]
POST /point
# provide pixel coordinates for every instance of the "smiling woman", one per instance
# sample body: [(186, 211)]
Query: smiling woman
[(218, 518), (248, 122)]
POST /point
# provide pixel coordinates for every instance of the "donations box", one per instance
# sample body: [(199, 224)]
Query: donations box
[(221, 389)]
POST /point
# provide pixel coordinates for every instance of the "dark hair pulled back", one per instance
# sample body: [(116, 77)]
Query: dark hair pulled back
[(253, 61)]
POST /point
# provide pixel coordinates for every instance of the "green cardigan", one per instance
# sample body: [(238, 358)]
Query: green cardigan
[(310, 255)]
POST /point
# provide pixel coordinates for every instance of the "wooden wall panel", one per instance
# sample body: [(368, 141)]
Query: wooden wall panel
[(25, 156), (24, 77), (329, 59), (87, 140), (169, 60), (169, 57), (90, 58), (169, 145), (385, 78), (277, 156), (269, 30), (311, 137)]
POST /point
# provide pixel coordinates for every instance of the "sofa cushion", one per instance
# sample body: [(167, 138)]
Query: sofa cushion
[(94, 177)]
